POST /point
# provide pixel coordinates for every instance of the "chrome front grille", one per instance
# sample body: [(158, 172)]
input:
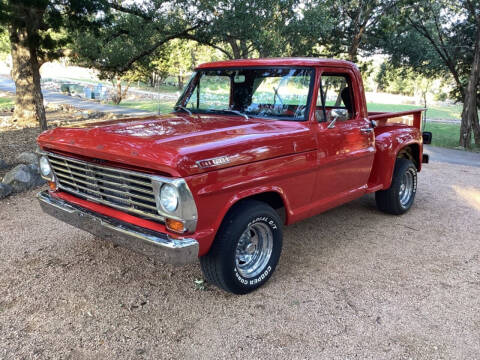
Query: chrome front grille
[(126, 190)]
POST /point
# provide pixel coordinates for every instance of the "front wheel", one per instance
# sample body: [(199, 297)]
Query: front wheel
[(399, 197), (246, 249)]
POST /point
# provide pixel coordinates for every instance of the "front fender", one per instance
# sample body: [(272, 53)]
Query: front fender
[(215, 192)]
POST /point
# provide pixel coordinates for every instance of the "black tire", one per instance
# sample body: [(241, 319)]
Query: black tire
[(390, 200), (220, 265)]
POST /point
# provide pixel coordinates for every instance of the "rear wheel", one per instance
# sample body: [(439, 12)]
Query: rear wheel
[(399, 197), (246, 249)]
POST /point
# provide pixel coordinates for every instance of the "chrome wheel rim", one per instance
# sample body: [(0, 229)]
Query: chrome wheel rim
[(254, 250), (406, 188)]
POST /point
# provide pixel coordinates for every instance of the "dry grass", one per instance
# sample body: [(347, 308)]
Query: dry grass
[(15, 139)]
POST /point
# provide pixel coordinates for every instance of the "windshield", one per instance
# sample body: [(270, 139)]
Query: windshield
[(281, 93)]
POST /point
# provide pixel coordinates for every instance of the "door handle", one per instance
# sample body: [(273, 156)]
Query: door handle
[(366, 130)]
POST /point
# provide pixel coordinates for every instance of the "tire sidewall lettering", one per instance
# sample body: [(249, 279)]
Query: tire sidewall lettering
[(251, 282), (414, 175), (267, 220), (264, 275)]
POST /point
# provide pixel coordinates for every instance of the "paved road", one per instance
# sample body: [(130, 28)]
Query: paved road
[(459, 157), (51, 97)]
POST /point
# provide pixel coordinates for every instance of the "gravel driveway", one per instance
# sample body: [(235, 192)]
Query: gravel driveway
[(351, 283)]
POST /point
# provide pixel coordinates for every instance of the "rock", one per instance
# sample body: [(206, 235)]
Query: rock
[(34, 167), (36, 172), (22, 177), (3, 164), (27, 158), (5, 190)]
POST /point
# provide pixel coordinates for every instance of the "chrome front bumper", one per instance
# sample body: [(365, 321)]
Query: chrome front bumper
[(153, 244)]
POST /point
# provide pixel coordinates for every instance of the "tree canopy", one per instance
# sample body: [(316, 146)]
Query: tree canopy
[(146, 40), (440, 37)]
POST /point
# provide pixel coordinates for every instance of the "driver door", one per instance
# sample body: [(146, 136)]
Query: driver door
[(346, 144)]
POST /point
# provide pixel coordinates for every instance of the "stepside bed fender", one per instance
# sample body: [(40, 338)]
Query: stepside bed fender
[(392, 142)]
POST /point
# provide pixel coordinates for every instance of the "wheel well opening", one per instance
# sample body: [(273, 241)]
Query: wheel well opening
[(273, 199), (410, 152)]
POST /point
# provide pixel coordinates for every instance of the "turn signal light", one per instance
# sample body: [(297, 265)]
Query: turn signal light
[(175, 225), (52, 185)]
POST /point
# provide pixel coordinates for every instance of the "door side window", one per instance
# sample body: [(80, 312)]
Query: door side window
[(335, 92)]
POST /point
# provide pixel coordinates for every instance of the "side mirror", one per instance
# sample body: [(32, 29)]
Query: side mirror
[(427, 137), (337, 114)]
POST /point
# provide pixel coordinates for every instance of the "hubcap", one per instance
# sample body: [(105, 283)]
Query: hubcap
[(406, 188), (254, 250)]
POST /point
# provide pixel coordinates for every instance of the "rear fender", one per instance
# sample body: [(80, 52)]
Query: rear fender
[(389, 142)]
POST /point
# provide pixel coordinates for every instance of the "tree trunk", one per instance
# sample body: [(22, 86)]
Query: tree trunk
[(244, 49), (125, 89), (117, 86), (180, 82), (26, 75), (476, 128), (353, 50), (235, 49), (470, 111), (357, 39)]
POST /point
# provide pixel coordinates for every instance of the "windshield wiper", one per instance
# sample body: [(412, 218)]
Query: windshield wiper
[(232, 111), (182, 108)]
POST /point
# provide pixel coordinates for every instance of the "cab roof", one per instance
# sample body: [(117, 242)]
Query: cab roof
[(297, 61)]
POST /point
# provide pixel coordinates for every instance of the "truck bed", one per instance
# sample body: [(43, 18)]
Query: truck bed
[(409, 117)]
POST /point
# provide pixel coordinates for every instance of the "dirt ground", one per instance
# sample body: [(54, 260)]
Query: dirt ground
[(352, 283)]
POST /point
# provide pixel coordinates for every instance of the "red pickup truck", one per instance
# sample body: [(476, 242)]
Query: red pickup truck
[(251, 145)]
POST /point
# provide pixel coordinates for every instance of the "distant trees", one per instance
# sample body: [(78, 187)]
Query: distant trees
[(37, 33), (246, 28), (179, 57), (149, 40), (132, 45)]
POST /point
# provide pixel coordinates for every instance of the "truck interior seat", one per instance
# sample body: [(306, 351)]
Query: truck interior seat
[(347, 100)]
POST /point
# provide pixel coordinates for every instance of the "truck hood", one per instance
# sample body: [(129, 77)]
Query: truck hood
[(179, 144)]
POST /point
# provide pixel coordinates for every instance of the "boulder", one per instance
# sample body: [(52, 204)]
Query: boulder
[(3, 164), (5, 190), (22, 177), (27, 158), (35, 168)]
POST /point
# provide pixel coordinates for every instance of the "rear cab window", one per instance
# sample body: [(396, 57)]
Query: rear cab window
[(335, 92)]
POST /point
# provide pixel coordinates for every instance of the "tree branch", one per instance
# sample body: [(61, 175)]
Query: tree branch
[(208, 43), (149, 51), (446, 59), (130, 10)]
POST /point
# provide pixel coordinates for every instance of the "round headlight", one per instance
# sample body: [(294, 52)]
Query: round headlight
[(169, 197), (45, 168)]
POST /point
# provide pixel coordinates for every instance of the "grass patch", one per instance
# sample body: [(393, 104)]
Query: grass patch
[(153, 106), (7, 102), (434, 112), (442, 112), (446, 135)]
